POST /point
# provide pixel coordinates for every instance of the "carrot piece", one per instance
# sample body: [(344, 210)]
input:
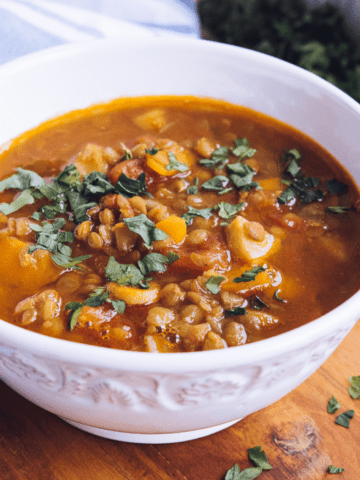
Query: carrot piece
[(174, 226), (135, 296)]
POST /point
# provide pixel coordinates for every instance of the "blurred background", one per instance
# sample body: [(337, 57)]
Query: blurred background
[(320, 36)]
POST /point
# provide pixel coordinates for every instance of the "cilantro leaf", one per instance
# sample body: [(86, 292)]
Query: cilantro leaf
[(241, 174), (242, 149), (172, 257), (354, 389), (333, 405), (335, 187), (79, 205), (97, 299), (249, 275), (293, 168), (218, 183), (23, 180), (96, 184), (235, 311), (333, 469), (259, 458), (218, 158), (25, 198), (248, 474), (152, 262), (344, 418), (174, 164), (276, 296), (153, 151), (119, 305), (289, 155), (227, 210), (128, 187), (195, 212), (338, 209), (301, 187), (75, 310), (145, 228), (258, 304), (123, 274), (65, 261), (193, 189), (213, 284)]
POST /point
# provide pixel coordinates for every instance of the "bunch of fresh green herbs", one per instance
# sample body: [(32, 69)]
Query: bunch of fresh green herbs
[(317, 39)]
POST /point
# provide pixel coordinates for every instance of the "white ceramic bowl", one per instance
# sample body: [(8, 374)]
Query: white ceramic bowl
[(144, 397)]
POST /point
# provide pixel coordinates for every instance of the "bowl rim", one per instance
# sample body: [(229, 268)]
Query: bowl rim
[(71, 352)]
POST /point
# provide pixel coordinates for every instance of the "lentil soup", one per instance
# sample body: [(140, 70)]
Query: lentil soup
[(167, 224)]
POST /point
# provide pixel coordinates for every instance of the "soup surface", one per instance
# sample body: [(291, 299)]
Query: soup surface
[(173, 224)]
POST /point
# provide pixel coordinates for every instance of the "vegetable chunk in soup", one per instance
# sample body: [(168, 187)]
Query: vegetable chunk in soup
[(173, 224)]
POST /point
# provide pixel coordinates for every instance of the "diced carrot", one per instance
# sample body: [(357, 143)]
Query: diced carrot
[(271, 184), (161, 159), (135, 296), (174, 226), (25, 272)]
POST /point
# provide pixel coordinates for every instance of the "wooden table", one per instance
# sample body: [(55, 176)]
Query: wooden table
[(298, 435)]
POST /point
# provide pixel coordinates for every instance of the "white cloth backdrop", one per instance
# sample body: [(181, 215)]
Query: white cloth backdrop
[(30, 25)]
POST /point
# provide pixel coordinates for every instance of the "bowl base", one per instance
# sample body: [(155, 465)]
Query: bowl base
[(151, 437)]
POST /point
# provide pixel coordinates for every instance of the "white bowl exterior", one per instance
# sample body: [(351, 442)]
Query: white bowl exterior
[(150, 393)]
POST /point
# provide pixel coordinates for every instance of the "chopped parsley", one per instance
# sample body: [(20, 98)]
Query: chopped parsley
[(338, 209), (258, 304), (144, 227), (129, 187), (241, 174), (227, 210), (217, 183), (333, 469), (276, 296), (193, 189), (242, 149), (354, 389), (213, 284), (174, 164), (259, 458), (195, 212), (335, 187), (344, 418), (235, 311), (249, 275), (333, 405), (218, 159)]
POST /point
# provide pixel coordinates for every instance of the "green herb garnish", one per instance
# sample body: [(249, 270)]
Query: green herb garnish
[(227, 210), (193, 189), (276, 296), (338, 209), (259, 458), (335, 187), (333, 469), (235, 311), (354, 389), (242, 149), (248, 474), (144, 227), (195, 212), (174, 164), (333, 405), (128, 187), (218, 158), (344, 418), (249, 275), (218, 183), (258, 304), (213, 284), (242, 175)]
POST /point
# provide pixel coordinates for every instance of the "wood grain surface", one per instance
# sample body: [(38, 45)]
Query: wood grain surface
[(298, 435)]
